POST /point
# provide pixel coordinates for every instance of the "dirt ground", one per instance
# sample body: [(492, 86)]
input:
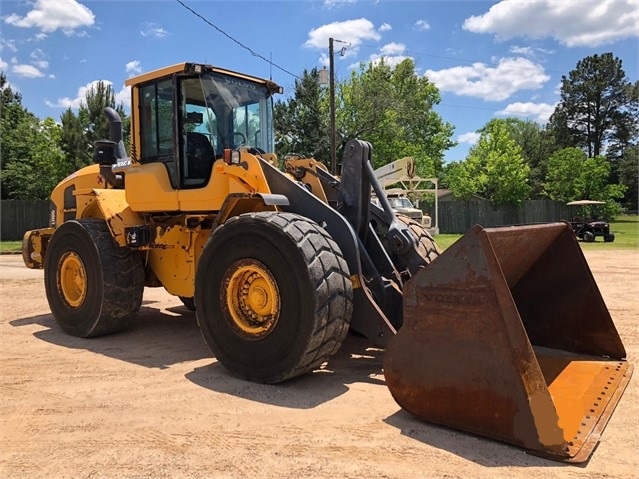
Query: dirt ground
[(153, 403)]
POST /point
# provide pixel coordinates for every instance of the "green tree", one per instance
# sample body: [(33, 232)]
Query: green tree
[(80, 131), (628, 173), (574, 176), (536, 143), (563, 179), (97, 98), (35, 175), (12, 114), (32, 161), (598, 106), (301, 122), (74, 141), (393, 109), (459, 178), (494, 168)]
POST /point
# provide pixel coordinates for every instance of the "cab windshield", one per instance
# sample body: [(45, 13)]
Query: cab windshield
[(231, 112), (210, 112), (400, 203)]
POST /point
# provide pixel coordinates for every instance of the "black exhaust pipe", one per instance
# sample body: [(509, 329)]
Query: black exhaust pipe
[(115, 132), (108, 152)]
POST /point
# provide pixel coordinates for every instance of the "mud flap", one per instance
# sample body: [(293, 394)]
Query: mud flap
[(506, 335)]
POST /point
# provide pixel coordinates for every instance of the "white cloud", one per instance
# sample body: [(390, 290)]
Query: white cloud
[(392, 53), (391, 61), (495, 83), (527, 51), (3, 65), (539, 112), (573, 23), (8, 45), (8, 84), (392, 49), (50, 15), (557, 89), (385, 27), (38, 59), (352, 32), (534, 53), (153, 30), (123, 96), (337, 3), (41, 64), (422, 25), (133, 68), (26, 71), (471, 137)]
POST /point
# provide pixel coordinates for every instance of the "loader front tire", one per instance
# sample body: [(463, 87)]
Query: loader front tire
[(94, 287), (188, 302), (273, 296)]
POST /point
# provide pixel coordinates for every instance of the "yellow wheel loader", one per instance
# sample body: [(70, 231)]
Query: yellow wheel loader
[(505, 334)]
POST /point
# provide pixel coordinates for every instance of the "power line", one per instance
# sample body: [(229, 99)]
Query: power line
[(371, 47), (252, 52), (255, 54)]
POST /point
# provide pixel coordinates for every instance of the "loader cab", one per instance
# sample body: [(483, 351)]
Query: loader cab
[(185, 116)]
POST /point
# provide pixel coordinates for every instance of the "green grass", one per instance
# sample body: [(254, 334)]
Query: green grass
[(10, 246), (625, 228), (443, 241)]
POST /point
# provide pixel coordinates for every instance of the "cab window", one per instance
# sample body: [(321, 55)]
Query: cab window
[(156, 126), (199, 139)]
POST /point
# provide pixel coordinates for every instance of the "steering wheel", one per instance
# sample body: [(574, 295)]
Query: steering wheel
[(242, 138)]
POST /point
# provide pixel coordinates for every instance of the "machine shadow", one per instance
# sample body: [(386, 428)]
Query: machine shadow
[(156, 339), (159, 338), (355, 362), (480, 450)]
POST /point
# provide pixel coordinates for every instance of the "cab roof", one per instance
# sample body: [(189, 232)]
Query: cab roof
[(187, 67)]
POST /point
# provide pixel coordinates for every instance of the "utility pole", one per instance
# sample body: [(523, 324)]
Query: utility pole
[(331, 82), (331, 92)]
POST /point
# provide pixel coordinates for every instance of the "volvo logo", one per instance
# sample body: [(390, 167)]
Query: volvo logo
[(461, 298)]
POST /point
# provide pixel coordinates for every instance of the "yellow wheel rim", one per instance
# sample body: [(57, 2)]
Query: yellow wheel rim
[(252, 299), (73, 279)]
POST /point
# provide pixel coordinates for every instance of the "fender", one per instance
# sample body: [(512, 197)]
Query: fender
[(111, 205)]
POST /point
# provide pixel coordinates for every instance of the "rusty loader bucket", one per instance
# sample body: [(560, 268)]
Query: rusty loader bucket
[(506, 335)]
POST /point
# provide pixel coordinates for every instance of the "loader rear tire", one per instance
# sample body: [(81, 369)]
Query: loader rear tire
[(94, 287), (425, 242), (273, 296), (424, 246)]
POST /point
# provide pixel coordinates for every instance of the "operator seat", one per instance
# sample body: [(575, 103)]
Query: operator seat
[(199, 154)]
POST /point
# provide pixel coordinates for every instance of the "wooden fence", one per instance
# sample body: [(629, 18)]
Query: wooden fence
[(460, 216), (19, 216)]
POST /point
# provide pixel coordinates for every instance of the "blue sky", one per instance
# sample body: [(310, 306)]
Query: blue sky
[(488, 58)]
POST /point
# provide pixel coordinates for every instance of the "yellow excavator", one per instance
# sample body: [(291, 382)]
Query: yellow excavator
[(505, 334)]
